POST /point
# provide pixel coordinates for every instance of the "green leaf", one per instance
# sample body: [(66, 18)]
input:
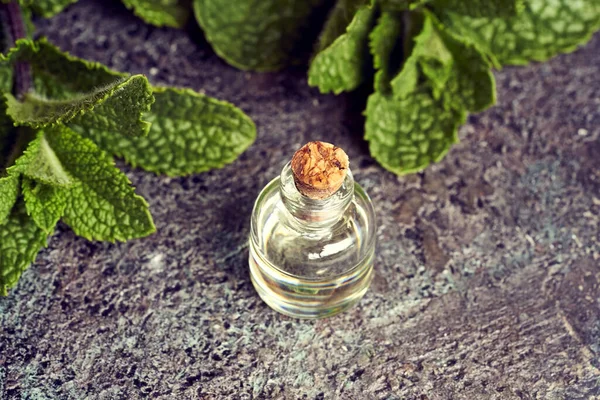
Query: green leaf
[(439, 75), (386, 49), (257, 35), (190, 133), (337, 21), (120, 104), (40, 162), (124, 111), (450, 66), (543, 29), (101, 204), (9, 191), (58, 75), (45, 8), (44, 203), (430, 51), (471, 84), (173, 13), (342, 65), (408, 134), (417, 123), (20, 241), (481, 8)]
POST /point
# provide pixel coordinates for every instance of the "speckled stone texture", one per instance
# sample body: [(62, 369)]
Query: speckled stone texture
[(487, 270)]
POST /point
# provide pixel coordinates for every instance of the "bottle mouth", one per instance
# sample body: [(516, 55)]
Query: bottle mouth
[(316, 212)]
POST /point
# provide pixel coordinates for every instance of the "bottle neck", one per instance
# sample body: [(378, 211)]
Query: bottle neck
[(315, 213)]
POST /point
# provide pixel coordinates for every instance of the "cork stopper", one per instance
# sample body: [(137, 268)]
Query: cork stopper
[(319, 169)]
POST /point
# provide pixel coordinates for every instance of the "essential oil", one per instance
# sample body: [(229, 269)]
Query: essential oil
[(312, 236)]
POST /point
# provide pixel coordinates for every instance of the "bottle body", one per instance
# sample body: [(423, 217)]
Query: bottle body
[(311, 259)]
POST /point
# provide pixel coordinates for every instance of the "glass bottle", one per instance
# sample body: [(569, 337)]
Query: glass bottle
[(311, 255)]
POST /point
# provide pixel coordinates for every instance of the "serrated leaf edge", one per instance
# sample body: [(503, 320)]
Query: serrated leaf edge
[(83, 105)]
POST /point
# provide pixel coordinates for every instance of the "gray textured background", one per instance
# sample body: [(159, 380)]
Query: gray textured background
[(487, 270)]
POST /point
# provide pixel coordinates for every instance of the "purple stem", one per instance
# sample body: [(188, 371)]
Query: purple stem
[(16, 25)]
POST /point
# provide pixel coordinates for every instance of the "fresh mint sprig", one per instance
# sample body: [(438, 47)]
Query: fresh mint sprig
[(433, 63), (57, 137)]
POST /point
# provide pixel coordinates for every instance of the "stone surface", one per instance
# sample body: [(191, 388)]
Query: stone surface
[(487, 273)]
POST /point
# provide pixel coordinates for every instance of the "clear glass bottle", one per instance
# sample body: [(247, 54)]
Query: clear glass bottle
[(311, 258)]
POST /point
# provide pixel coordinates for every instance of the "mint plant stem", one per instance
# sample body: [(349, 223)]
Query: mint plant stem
[(13, 19)]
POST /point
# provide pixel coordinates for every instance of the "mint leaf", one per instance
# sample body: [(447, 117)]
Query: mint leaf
[(101, 204), (439, 75), (58, 75), (44, 203), (337, 21), (9, 191), (386, 49), (123, 110), (428, 52), (40, 162), (20, 241), (405, 135), (115, 100), (440, 80), (543, 29), (45, 8), (119, 104), (173, 13), (472, 84), (342, 65), (450, 66), (190, 133), (481, 8), (257, 35)]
